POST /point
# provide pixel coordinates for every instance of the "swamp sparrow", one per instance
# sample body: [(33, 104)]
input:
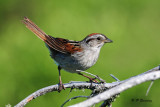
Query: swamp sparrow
[(72, 56)]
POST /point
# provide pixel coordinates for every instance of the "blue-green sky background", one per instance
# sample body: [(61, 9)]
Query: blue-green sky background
[(25, 64)]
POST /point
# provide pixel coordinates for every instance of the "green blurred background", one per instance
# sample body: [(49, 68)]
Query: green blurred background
[(25, 64)]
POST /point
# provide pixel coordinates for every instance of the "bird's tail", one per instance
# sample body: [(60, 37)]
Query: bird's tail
[(35, 29)]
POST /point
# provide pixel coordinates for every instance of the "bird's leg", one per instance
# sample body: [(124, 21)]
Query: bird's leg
[(61, 86), (91, 79)]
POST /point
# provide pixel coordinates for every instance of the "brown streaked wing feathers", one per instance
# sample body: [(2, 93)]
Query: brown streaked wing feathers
[(64, 45)]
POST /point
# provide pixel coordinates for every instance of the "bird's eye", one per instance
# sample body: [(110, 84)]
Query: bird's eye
[(98, 38)]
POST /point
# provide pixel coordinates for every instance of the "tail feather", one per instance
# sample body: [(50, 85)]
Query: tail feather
[(35, 29), (54, 43)]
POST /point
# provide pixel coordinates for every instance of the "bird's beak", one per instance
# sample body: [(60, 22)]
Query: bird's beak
[(108, 41)]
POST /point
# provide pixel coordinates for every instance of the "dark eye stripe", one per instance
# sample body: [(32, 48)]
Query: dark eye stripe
[(89, 40)]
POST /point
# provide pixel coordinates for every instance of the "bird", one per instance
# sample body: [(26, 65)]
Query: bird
[(69, 55)]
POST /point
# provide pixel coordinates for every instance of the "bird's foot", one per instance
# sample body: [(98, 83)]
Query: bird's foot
[(61, 87)]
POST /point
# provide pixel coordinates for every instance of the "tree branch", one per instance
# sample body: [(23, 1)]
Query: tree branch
[(77, 85), (150, 75), (111, 88)]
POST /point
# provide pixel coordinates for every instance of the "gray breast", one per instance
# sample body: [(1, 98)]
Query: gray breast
[(77, 61)]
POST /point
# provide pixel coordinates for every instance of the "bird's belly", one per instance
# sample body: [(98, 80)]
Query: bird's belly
[(76, 62)]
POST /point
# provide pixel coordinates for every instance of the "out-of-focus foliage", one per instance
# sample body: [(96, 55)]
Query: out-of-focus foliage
[(25, 64)]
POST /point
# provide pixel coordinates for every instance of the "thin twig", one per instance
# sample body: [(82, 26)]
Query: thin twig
[(74, 98), (149, 87), (114, 77)]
